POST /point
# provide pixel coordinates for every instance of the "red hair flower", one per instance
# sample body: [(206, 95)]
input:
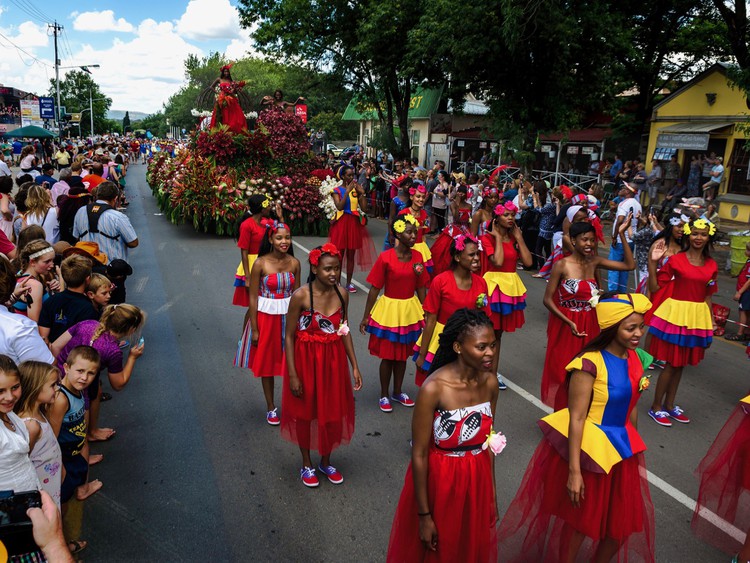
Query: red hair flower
[(327, 248)]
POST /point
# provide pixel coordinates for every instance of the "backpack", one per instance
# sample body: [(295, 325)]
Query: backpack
[(94, 211)]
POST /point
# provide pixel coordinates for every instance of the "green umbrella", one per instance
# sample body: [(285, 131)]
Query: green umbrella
[(31, 131)]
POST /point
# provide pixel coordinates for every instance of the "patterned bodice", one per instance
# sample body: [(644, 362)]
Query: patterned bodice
[(276, 286), (461, 431), (575, 294)]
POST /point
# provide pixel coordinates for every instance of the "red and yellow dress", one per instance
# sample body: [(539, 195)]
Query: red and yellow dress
[(725, 484), (541, 520), (397, 318), (507, 293), (572, 298), (251, 235), (441, 248), (681, 327), (422, 229), (348, 231), (460, 491), (444, 299)]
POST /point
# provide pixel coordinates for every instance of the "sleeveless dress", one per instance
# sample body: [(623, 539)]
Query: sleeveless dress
[(251, 235), (322, 418), (617, 504), (16, 471), (506, 291), (421, 245), (441, 248), (397, 318), (682, 326), (724, 476), (348, 232), (267, 358), (459, 486), (572, 298), (444, 299), (47, 459)]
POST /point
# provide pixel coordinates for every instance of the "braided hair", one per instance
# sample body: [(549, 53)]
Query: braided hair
[(458, 326)]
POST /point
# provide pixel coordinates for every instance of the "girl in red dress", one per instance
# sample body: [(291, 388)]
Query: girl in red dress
[(483, 217), (416, 209), (317, 401), (348, 231), (227, 110), (682, 326), (502, 245), (585, 494), (572, 321), (460, 287), (461, 210), (273, 278), (725, 487), (447, 510), (396, 320)]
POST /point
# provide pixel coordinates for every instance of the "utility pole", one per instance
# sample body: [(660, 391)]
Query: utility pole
[(55, 30)]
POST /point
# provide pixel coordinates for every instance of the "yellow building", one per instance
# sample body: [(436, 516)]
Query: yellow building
[(702, 117)]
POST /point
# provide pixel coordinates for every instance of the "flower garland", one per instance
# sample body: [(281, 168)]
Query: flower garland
[(326, 194)]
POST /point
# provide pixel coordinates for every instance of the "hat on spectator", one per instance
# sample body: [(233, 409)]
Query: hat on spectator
[(119, 267), (89, 249)]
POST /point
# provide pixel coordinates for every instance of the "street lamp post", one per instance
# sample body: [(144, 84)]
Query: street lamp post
[(84, 68)]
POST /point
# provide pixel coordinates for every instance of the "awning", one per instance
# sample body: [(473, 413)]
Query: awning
[(694, 127), (592, 135), (424, 102)]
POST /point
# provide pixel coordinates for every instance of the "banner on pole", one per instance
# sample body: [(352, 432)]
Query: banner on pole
[(47, 108)]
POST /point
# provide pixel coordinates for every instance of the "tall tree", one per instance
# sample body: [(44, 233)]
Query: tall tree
[(734, 14), (75, 91)]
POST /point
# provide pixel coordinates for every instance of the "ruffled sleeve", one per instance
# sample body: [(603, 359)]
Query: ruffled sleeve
[(377, 275)]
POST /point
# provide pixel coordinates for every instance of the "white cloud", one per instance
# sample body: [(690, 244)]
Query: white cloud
[(100, 22), (209, 19)]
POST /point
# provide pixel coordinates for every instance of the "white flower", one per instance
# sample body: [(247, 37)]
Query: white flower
[(496, 442), (251, 115), (343, 329), (326, 192), (595, 294)]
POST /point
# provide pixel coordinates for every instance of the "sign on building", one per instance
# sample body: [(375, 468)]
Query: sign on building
[(686, 141), (47, 108), (30, 113)]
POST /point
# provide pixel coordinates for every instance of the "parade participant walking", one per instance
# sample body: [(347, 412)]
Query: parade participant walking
[(628, 207), (273, 278), (458, 288), (447, 510), (396, 319), (398, 203), (682, 326), (572, 320), (348, 231), (416, 210), (585, 492), (441, 255), (317, 409), (483, 217)]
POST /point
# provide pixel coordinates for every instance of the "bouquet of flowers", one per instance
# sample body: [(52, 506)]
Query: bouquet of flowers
[(197, 113), (326, 197), (226, 90)]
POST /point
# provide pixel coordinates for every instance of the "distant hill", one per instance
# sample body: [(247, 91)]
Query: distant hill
[(120, 114)]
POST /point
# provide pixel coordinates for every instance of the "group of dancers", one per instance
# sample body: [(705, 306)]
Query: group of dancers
[(585, 492)]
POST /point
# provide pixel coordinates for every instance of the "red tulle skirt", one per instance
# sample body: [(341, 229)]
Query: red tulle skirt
[(230, 115), (386, 350), (462, 504), (540, 522), (725, 485), (347, 233), (267, 358), (241, 298), (678, 356), (322, 418), (562, 347)]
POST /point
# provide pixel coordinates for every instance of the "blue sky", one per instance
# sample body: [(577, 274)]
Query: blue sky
[(140, 46)]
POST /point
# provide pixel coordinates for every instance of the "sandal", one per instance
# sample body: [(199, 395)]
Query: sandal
[(736, 338), (77, 546)]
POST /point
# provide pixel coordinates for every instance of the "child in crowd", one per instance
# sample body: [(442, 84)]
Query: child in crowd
[(743, 296), (39, 383), (99, 292), (118, 271)]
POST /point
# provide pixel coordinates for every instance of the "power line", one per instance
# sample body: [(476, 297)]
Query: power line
[(25, 52), (31, 11)]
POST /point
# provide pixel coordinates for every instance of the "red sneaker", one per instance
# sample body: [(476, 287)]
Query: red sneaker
[(677, 414), (660, 417), (309, 479), (332, 473), (403, 399), (272, 417)]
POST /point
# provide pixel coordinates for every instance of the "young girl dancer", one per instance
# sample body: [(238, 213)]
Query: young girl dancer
[(458, 288), (348, 231), (252, 231), (398, 204), (441, 256), (682, 326), (317, 401), (502, 245), (396, 320), (273, 277), (416, 210), (483, 217), (585, 493), (39, 384), (447, 510), (572, 320)]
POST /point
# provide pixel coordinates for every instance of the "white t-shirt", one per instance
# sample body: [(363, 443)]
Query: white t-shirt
[(17, 473), (625, 207), (48, 222), (20, 339)]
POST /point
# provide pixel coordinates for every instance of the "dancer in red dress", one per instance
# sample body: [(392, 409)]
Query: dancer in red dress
[(441, 255), (317, 402), (572, 321), (725, 487), (348, 231), (447, 510), (455, 289), (273, 278), (396, 319), (682, 326), (416, 209), (585, 494), (227, 110)]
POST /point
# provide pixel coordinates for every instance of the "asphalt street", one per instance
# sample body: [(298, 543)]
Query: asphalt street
[(196, 474)]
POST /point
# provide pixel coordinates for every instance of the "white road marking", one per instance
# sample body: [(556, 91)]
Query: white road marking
[(655, 480), (140, 285)]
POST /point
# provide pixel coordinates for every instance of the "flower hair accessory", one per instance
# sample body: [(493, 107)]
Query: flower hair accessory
[(675, 221), (700, 224), (489, 191), (41, 253), (419, 188), (460, 241), (327, 248), (496, 442), (266, 203), (399, 226), (501, 208), (227, 66)]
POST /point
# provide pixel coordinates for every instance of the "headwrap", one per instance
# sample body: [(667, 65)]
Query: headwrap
[(566, 192), (578, 199), (328, 248), (593, 202), (572, 210), (612, 310), (461, 240), (501, 208), (276, 225)]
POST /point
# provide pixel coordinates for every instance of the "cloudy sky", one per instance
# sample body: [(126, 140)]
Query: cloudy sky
[(139, 44)]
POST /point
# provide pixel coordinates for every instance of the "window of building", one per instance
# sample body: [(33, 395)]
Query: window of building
[(738, 170), (663, 154)]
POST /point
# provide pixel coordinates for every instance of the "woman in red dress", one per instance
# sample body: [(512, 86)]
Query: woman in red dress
[(572, 321), (461, 210), (682, 326), (447, 510), (458, 288), (502, 245), (725, 487), (317, 402), (227, 110), (416, 210), (396, 319), (252, 231), (348, 231)]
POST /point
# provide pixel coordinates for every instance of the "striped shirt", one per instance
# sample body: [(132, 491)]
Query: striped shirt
[(111, 222)]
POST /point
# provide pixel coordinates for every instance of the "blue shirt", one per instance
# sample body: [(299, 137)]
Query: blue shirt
[(615, 169), (111, 222)]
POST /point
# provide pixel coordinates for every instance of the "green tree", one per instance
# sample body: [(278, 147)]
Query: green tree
[(335, 128), (156, 123), (75, 90), (126, 122), (733, 14)]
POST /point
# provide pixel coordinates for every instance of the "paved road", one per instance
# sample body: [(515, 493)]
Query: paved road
[(196, 474)]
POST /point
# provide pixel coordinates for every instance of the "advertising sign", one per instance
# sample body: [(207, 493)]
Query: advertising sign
[(300, 111), (30, 113), (687, 141), (47, 108)]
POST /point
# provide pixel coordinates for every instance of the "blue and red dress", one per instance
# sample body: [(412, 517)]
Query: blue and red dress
[(348, 231), (251, 235)]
